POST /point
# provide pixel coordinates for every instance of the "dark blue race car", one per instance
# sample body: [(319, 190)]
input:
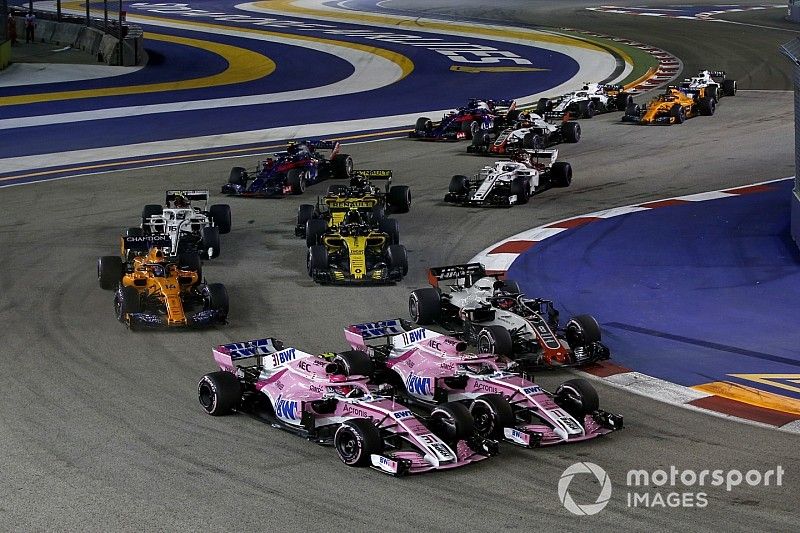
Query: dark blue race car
[(291, 171), (466, 122)]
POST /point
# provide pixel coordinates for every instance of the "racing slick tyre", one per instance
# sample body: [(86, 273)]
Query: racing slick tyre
[(711, 92), (150, 210), (586, 109), (491, 413), (378, 213), (238, 176), (304, 213), (531, 141), (633, 110), (474, 129), (425, 306), (423, 125), (543, 106), (315, 229), (217, 299), (459, 184), (582, 330), (354, 363), (191, 261), (134, 232), (109, 272), (577, 397), (561, 174), (521, 188), (397, 257), (729, 87), (706, 106), (399, 198), (341, 167), (678, 114), (317, 259), (221, 215), (219, 393), (391, 227), (481, 141), (623, 100), (127, 301), (495, 339), (209, 241), (356, 440), (297, 180), (571, 132), (452, 422)]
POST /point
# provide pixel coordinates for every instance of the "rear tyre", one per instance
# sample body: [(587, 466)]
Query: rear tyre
[(543, 106), (452, 422), (491, 413), (577, 397), (561, 174), (109, 272), (425, 306), (729, 87), (399, 198), (221, 215), (356, 440), (391, 227), (304, 213), (317, 259), (209, 240), (297, 180), (315, 229), (397, 257), (495, 340), (586, 109), (342, 166), (459, 185), (571, 131), (531, 141), (217, 299), (151, 210), (219, 393), (623, 101), (238, 176), (354, 363)]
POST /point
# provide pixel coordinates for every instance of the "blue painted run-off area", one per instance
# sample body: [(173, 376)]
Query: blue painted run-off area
[(689, 293)]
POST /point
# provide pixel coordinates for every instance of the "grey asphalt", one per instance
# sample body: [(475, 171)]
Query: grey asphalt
[(100, 428)]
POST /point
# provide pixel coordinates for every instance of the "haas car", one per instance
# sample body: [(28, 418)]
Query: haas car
[(330, 403), (591, 99), (361, 195), (432, 369), (191, 225), (529, 131), (498, 318), (673, 106), (154, 290), (360, 250), (709, 83), (509, 182), (465, 122), (303, 163)]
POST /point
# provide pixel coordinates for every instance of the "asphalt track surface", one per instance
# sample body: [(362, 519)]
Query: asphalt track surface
[(101, 430)]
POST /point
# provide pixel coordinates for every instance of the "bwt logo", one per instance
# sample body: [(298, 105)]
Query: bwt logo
[(418, 385), (286, 409), (399, 415), (278, 358)]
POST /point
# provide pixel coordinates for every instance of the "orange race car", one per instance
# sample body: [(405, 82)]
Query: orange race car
[(672, 107), (154, 290)]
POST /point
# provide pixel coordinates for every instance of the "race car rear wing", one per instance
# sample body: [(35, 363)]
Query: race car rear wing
[(469, 272), (145, 242), (192, 196), (357, 335), (266, 353), (552, 155), (374, 174)]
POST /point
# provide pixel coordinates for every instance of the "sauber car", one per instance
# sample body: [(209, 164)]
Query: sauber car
[(510, 182), (289, 172), (191, 225), (671, 107), (591, 99), (498, 318), (466, 122), (361, 195), (330, 403), (431, 368), (530, 131), (154, 290)]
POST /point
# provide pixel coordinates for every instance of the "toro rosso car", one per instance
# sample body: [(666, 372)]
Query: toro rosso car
[(291, 171), (506, 183), (529, 131), (190, 224), (465, 122), (153, 290), (672, 107), (713, 84), (498, 318), (591, 99), (330, 403), (432, 369)]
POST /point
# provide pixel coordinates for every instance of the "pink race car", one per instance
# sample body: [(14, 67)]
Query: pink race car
[(328, 401), (432, 369)]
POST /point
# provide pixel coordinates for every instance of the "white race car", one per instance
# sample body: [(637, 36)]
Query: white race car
[(711, 83), (529, 131), (498, 318), (191, 228), (591, 99), (509, 182)]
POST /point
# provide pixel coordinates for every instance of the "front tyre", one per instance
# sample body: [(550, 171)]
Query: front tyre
[(491, 413), (495, 340), (452, 422), (356, 440), (577, 397), (219, 393)]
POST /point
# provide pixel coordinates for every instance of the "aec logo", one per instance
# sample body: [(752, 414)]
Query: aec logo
[(589, 508)]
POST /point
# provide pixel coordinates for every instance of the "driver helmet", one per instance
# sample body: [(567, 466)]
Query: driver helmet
[(357, 180), (341, 378), (352, 217), (181, 201), (506, 302)]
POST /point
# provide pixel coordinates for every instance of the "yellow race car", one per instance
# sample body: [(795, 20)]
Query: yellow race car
[(672, 107), (153, 290)]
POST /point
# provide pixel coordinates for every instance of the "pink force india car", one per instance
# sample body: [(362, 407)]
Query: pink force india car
[(432, 369), (328, 401)]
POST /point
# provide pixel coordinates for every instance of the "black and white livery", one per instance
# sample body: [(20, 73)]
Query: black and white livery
[(510, 182), (191, 225), (529, 131), (711, 83), (591, 99)]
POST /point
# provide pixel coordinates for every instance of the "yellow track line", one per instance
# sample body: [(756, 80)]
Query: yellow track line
[(751, 396)]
